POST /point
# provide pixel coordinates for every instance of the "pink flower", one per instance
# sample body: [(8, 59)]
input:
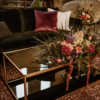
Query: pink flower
[(91, 48), (86, 50), (68, 58), (66, 49), (68, 40), (78, 49), (76, 45), (90, 38), (58, 60), (97, 37)]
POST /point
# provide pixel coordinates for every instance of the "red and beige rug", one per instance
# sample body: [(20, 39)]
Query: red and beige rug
[(5, 93), (11, 72), (92, 93)]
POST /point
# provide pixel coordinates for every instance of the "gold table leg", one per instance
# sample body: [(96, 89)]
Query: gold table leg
[(25, 89)]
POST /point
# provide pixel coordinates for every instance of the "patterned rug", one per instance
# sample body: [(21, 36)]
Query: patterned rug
[(5, 93), (11, 72), (96, 63), (92, 93)]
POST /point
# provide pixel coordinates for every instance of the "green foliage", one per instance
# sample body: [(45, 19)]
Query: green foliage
[(37, 3), (81, 56)]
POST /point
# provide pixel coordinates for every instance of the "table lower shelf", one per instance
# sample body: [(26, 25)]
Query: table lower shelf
[(11, 72)]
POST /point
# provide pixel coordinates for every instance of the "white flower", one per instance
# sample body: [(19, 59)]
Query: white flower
[(87, 43), (71, 46), (78, 37), (88, 16), (63, 42), (83, 13), (88, 21)]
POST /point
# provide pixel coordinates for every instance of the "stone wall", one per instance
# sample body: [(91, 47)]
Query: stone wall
[(59, 3), (71, 6)]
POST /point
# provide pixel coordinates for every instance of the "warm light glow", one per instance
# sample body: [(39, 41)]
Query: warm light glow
[(20, 88), (44, 84)]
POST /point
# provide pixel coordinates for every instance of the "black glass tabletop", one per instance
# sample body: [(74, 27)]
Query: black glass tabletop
[(46, 86)]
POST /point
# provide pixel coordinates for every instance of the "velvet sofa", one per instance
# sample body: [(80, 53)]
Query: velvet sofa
[(21, 23)]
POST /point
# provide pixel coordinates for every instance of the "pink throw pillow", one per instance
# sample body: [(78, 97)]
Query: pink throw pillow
[(45, 21)]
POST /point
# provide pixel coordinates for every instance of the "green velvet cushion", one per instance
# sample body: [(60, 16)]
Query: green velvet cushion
[(4, 30), (14, 39), (12, 19)]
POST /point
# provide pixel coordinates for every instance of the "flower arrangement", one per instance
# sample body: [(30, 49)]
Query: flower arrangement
[(86, 14), (77, 45), (67, 47)]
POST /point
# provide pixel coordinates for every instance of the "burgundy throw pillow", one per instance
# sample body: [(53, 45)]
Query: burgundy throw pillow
[(45, 21)]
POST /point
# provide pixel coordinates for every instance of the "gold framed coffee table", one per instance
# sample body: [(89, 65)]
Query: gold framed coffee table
[(24, 58)]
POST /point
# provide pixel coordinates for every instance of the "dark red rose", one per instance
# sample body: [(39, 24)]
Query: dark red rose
[(84, 17), (88, 10), (91, 48), (74, 53), (68, 40), (66, 49)]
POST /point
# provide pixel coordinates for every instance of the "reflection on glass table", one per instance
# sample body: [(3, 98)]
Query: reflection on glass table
[(42, 86), (25, 58)]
